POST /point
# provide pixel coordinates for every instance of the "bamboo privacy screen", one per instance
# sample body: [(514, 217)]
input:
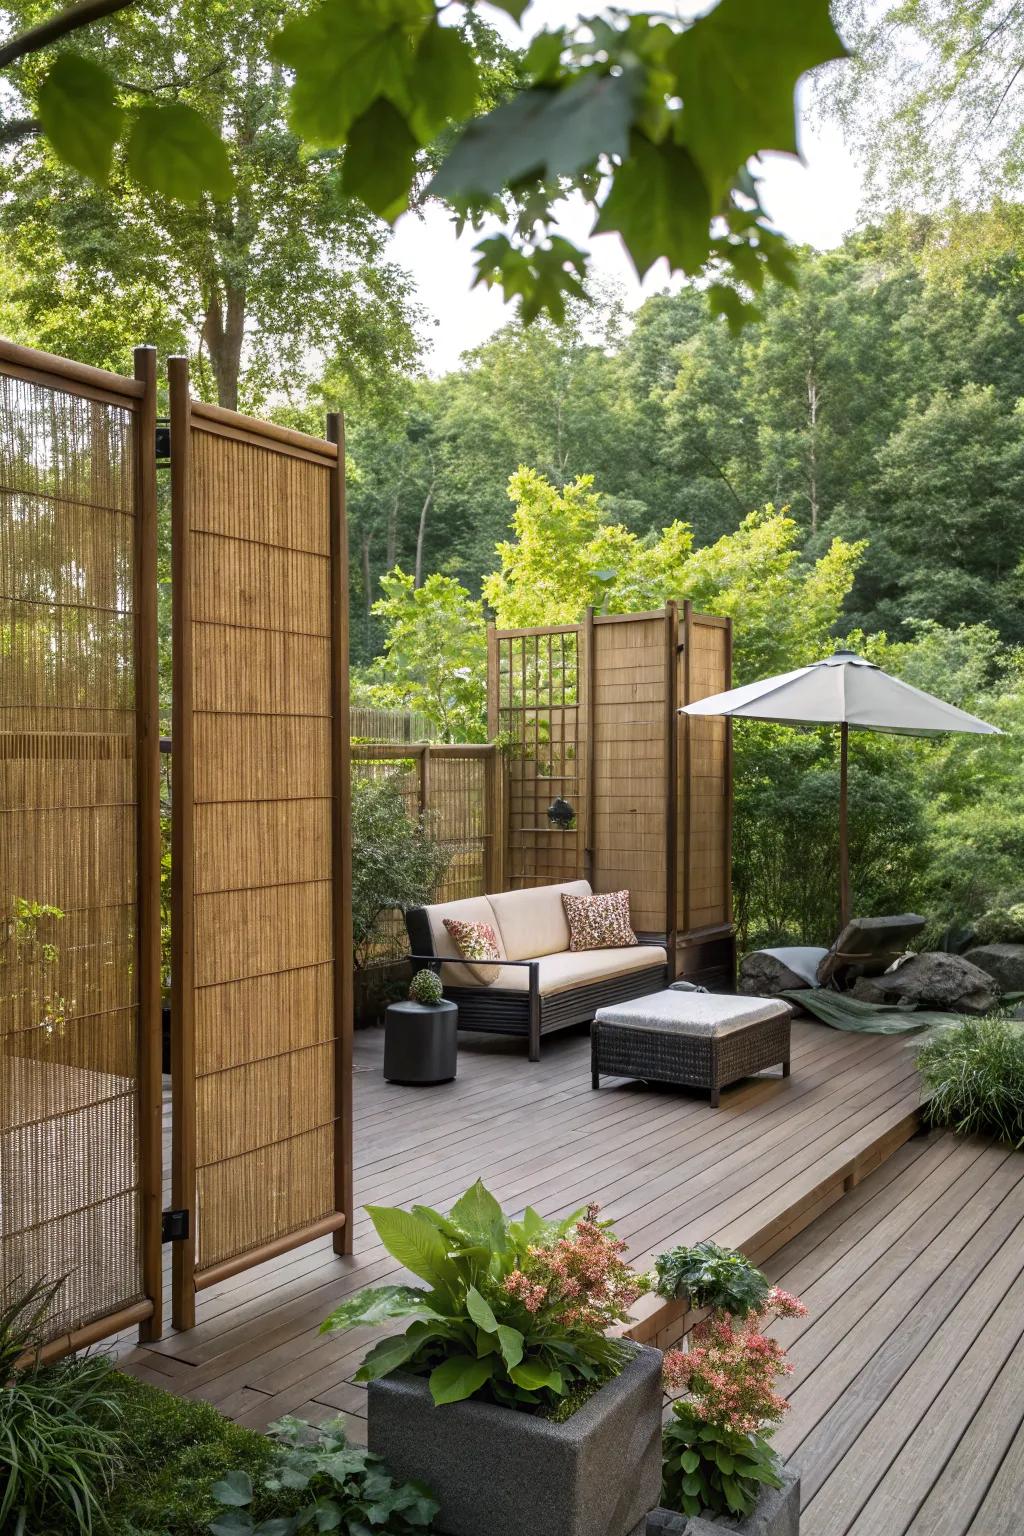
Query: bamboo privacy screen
[(261, 928), (79, 842), (588, 713), (458, 787), (537, 712)]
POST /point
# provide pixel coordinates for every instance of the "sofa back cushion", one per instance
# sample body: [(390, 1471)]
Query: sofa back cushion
[(533, 922)]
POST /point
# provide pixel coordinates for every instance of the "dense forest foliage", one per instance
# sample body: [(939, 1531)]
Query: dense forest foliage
[(851, 466)]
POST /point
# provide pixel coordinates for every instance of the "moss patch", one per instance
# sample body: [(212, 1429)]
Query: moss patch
[(176, 1449)]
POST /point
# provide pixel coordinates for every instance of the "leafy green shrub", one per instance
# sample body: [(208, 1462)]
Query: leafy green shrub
[(711, 1276), (974, 1073), (176, 1449), (426, 988), (716, 1455), (517, 1311), (317, 1481), (712, 1467), (60, 1427), (396, 860), (1001, 925)]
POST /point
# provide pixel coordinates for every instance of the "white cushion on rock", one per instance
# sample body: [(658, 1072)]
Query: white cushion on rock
[(558, 973), (693, 1013), (532, 922)]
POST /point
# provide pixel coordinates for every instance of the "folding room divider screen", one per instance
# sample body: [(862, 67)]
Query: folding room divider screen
[(261, 944)]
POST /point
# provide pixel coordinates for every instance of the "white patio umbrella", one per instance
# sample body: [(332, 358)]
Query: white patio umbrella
[(843, 690)]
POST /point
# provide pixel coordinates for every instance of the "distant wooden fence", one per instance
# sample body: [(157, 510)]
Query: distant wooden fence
[(459, 787), (588, 713), (387, 725)]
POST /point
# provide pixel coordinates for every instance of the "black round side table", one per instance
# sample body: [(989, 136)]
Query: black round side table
[(421, 1042)]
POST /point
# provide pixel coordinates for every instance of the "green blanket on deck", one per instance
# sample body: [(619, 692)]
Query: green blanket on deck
[(844, 1012)]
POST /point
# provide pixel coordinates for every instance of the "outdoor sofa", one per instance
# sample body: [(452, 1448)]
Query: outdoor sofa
[(541, 985)]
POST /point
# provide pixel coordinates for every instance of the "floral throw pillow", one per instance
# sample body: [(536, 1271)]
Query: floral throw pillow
[(599, 922), (476, 941)]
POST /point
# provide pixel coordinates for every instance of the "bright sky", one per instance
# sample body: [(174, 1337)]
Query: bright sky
[(813, 203)]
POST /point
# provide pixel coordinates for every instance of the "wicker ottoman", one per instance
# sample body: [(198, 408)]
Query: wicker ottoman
[(696, 1039)]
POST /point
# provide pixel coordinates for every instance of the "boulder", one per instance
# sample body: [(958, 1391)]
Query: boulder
[(763, 974), (1003, 962), (934, 980)]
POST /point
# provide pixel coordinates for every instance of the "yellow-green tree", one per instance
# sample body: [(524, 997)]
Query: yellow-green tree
[(566, 556)]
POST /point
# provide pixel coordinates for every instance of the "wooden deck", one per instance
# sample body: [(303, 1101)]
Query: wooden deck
[(907, 1413), (664, 1164), (907, 1404)]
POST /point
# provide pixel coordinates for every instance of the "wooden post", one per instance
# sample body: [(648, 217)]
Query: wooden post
[(341, 845), (727, 835), (183, 1093), (672, 787), (585, 667), (844, 845), (686, 835), (147, 821), (426, 787)]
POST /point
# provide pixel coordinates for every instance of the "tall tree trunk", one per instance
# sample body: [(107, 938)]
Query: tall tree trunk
[(812, 466), (421, 535), (391, 534), (224, 333), (367, 588)]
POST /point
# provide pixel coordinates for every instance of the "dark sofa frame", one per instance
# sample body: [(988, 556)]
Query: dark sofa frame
[(498, 1010)]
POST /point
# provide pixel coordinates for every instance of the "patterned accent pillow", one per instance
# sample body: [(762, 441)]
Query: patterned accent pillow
[(476, 941), (599, 922)]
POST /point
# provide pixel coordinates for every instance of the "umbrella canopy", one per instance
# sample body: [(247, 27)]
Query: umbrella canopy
[(847, 691)]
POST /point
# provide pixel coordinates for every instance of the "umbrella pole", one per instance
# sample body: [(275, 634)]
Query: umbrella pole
[(844, 845)]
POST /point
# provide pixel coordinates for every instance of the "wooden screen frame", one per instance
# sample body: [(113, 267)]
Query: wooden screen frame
[(137, 395), (188, 416)]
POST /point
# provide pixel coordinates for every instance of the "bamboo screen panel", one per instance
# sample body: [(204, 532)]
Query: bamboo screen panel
[(538, 687), (69, 1020), (630, 788), (263, 1023), (705, 765), (454, 787)]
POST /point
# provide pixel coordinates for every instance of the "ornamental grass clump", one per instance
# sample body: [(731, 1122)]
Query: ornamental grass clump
[(516, 1313), (974, 1075), (717, 1451)]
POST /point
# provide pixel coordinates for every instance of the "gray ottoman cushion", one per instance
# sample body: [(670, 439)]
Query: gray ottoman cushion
[(710, 1014)]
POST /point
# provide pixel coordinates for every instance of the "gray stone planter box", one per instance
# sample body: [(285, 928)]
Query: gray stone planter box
[(777, 1514), (496, 1472)]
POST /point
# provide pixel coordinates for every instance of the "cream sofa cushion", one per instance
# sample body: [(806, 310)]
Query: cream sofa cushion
[(558, 973), (473, 909), (532, 922)]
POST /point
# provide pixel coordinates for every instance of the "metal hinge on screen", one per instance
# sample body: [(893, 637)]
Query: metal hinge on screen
[(163, 440), (173, 1226)]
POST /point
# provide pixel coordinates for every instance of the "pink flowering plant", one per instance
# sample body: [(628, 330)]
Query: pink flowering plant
[(717, 1451), (514, 1312)]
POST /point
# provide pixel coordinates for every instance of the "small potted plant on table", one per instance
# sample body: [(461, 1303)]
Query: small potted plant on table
[(718, 1461), (506, 1393), (421, 1034)]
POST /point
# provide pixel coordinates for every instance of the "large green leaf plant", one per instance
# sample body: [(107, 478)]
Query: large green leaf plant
[(515, 1312), (652, 120)]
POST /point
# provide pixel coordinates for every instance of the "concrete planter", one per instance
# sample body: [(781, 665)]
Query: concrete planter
[(504, 1473), (777, 1514)]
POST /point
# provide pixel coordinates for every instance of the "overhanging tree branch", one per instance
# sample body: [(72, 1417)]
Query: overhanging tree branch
[(70, 20), (17, 129)]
